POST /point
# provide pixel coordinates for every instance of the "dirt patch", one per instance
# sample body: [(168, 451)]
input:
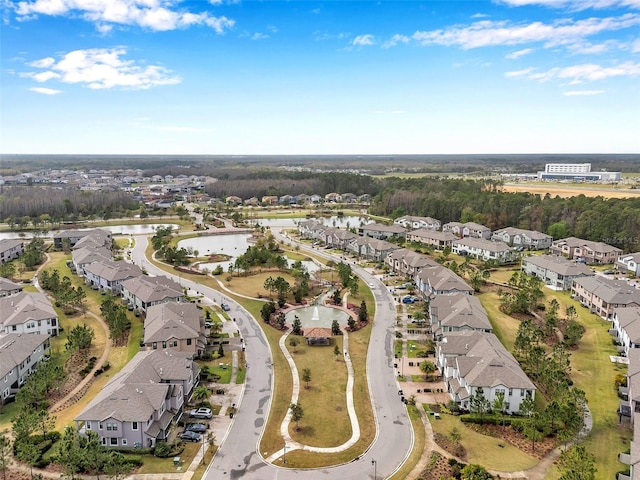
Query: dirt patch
[(517, 439)]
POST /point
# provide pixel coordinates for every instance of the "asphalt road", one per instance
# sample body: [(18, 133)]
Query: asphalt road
[(238, 457)]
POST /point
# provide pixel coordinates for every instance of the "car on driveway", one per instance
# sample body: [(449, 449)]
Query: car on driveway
[(196, 427), (407, 299), (201, 413), (190, 436)]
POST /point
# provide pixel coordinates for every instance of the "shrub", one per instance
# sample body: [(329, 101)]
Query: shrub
[(163, 450)]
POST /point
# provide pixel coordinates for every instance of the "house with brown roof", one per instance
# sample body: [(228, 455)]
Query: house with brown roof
[(602, 295), (469, 360), (142, 292), (317, 336), (141, 403), (28, 312), (175, 326), (585, 250)]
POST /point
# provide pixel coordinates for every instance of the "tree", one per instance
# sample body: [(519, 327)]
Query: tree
[(455, 436), (306, 377), (220, 350), (527, 406), (116, 466), (270, 285), (354, 286), (5, 454), (69, 454), (267, 310), (28, 453), (427, 367), (335, 328), (479, 403), (532, 432), (474, 472), (336, 297), (363, 316), (281, 320), (336, 352), (294, 342), (297, 414), (80, 338), (201, 393), (499, 404), (296, 326), (577, 464)]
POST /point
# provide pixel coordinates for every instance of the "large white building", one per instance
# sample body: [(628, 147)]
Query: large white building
[(577, 172)]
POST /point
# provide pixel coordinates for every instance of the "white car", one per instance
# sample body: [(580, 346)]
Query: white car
[(201, 413)]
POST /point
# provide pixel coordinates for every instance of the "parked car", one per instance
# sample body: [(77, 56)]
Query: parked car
[(201, 413), (196, 427), (208, 324), (407, 299), (190, 436), (225, 307)]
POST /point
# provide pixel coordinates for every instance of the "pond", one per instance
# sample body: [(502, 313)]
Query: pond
[(141, 229), (318, 316)]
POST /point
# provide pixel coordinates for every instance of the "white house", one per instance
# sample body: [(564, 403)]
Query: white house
[(629, 263), (19, 356), (485, 249), (28, 312)]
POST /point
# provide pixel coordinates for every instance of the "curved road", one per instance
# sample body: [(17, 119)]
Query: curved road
[(238, 457)]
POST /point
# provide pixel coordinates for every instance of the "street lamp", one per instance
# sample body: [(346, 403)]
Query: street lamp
[(284, 455), (375, 468)]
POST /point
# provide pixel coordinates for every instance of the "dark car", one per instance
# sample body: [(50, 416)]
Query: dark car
[(190, 436), (196, 427)]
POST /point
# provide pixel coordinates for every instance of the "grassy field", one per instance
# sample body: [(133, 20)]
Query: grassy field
[(484, 450), (592, 371)]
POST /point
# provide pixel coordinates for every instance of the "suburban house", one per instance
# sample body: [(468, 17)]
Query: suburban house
[(555, 271), (585, 250), (601, 295), (336, 238), (381, 231), (83, 257), (630, 407), (108, 275), (28, 312), (19, 356), (311, 229), (175, 326), (469, 229), (470, 360), (413, 223), (440, 240), (74, 236), (626, 323), (438, 280), (7, 287), (459, 311), (10, 249), (407, 262), (139, 405), (629, 263), (371, 248), (485, 249), (518, 237), (142, 292), (233, 200)]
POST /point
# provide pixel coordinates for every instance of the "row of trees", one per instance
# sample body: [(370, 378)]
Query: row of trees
[(116, 316), (67, 296)]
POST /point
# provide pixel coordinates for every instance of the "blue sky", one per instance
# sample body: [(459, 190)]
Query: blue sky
[(336, 77)]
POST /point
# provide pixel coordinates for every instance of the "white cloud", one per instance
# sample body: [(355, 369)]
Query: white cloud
[(152, 14), (395, 40), (43, 62), (259, 36), (588, 48), (582, 93), (45, 91), (575, 5), (519, 53), (100, 68), (487, 33), (577, 74), (363, 40)]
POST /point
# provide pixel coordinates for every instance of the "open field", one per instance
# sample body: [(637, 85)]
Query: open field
[(571, 190)]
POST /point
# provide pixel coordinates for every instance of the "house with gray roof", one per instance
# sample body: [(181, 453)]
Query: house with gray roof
[(629, 407), (28, 312), (484, 249), (555, 271), (518, 237), (381, 231), (438, 280), (72, 237), (629, 263), (139, 405), (175, 326), (10, 249), (337, 238), (602, 295), (585, 250), (108, 275), (83, 257), (371, 248), (142, 292), (455, 312), (468, 229), (7, 287), (626, 322), (406, 262), (437, 239), (470, 359), (414, 223), (20, 354)]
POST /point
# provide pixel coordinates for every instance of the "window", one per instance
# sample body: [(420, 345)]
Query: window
[(113, 441), (112, 426), (104, 441), (124, 441), (164, 344), (188, 341), (155, 345), (88, 424), (100, 425), (134, 425)]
